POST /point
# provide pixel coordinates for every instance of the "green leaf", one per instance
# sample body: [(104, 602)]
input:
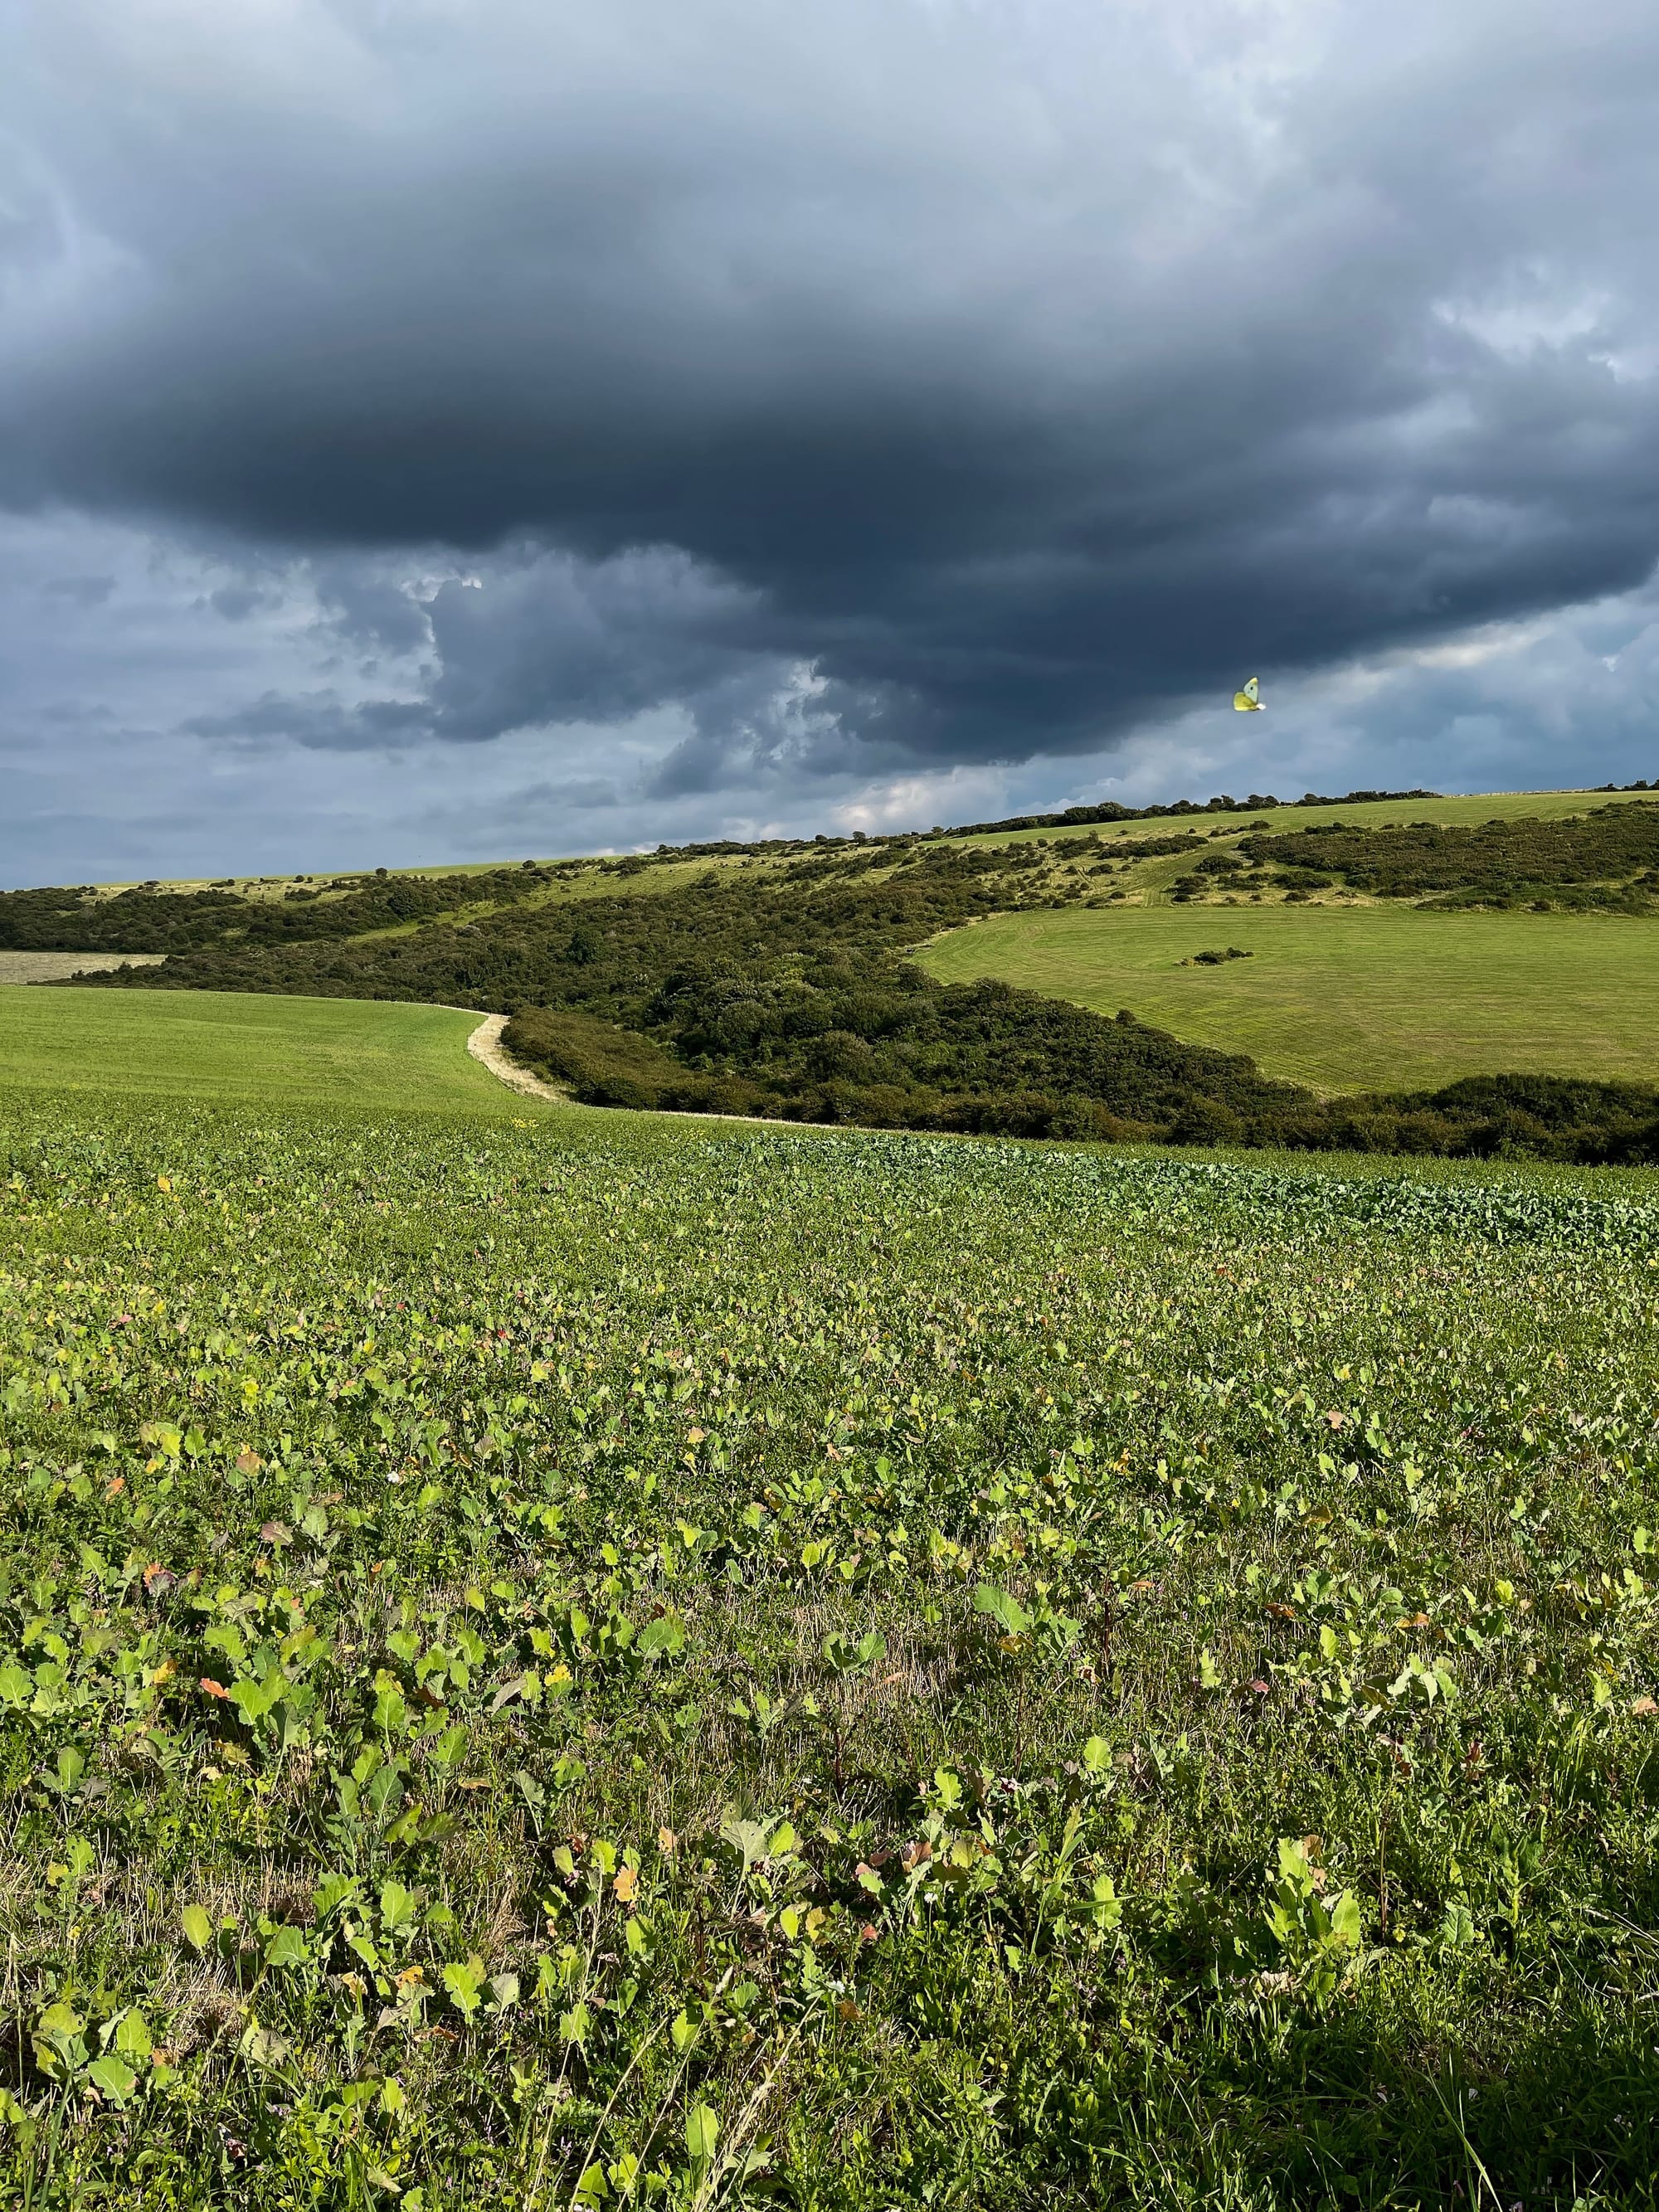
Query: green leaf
[(464, 1979), (450, 1748), (661, 1639), (253, 1700), (198, 1929), (331, 1892), (1457, 1930), (398, 1905), (1106, 1906), (288, 1948), (1344, 1918), (57, 2044), (15, 2116), (112, 2077), (66, 1780), (702, 2132), (266, 2048), (1007, 1612), (749, 1837)]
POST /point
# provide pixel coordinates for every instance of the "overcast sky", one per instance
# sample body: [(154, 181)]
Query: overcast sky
[(444, 429)]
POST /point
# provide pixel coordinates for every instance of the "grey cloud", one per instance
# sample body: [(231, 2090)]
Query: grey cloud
[(236, 602), (1024, 376), (83, 591)]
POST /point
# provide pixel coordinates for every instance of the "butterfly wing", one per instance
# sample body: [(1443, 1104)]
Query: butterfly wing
[(1249, 701)]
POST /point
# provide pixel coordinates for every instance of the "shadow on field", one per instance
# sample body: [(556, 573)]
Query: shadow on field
[(1485, 2111)]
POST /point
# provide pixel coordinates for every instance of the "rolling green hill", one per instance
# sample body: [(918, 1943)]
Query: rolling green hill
[(189, 1044), (1461, 809), (1349, 1000), (782, 980)]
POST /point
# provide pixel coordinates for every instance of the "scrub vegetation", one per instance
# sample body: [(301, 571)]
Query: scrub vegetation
[(603, 1662), (145, 918), (783, 980), (1606, 862)]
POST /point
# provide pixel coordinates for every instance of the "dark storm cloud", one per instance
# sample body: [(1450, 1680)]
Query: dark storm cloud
[(878, 384)]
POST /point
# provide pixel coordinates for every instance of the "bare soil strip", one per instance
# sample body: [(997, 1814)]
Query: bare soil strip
[(485, 1046)]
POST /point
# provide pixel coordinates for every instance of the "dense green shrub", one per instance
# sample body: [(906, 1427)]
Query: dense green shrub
[(791, 998), (786, 995), (1606, 859), (142, 919)]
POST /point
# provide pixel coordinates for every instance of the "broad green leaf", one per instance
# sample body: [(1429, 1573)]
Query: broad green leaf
[(288, 1948), (113, 2077), (266, 2048)]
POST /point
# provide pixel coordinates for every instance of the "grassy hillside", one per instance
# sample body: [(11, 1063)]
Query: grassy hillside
[(1463, 809), (1366, 999), (779, 980), (1466, 810), (607, 1663), (214, 1045), (784, 988)]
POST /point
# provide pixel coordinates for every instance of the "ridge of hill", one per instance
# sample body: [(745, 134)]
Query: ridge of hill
[(315, 899)]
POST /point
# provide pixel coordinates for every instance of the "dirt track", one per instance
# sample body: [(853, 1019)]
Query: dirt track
[(485, 1046)]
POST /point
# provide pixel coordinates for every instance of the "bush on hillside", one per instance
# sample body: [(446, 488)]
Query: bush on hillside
[(793, 998), (1604, 858)]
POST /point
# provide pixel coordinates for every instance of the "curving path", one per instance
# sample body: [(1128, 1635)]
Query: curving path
[(485, 1046)]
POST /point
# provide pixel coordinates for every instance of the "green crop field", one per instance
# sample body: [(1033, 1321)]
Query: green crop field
[(604, 1662), (1349, 999), (205, 1044)]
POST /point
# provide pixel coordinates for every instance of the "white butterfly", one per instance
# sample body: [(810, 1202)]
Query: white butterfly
[(1249, 701)]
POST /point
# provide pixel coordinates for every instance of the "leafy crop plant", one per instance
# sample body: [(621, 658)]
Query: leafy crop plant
[(609, 1663)]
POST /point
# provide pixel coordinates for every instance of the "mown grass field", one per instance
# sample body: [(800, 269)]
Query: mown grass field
[(1349, 999), (218, 1045), (605, 1662)]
